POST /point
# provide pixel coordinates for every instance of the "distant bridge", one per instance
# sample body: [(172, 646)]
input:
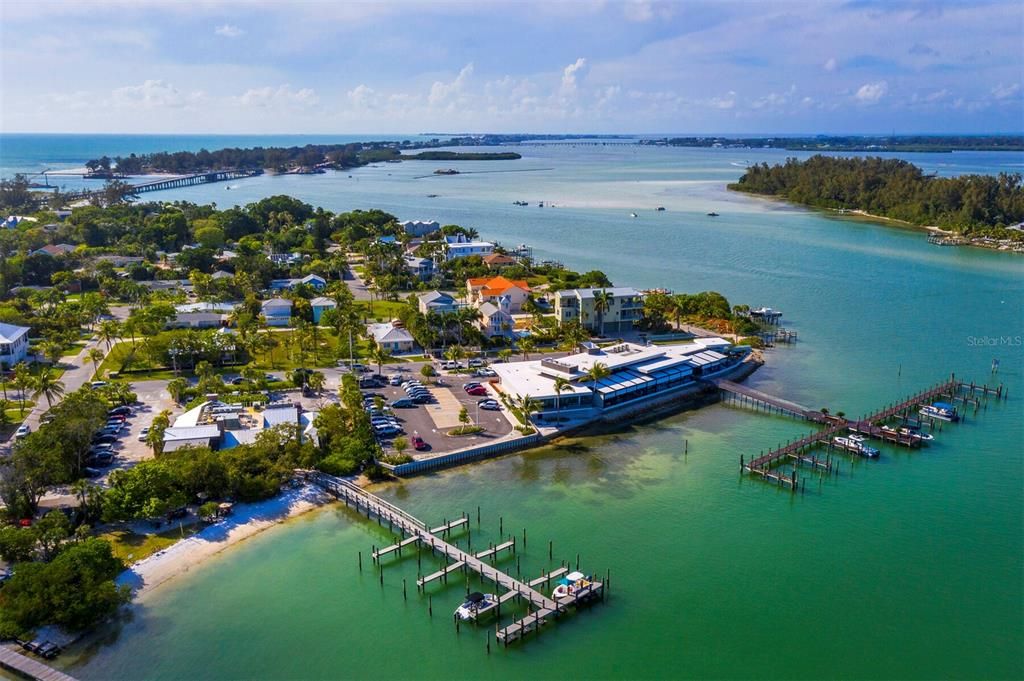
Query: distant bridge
[(174, 182)]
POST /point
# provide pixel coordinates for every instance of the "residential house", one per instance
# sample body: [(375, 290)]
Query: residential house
[(54, 250), (418, 228), (489, 289), (277, 311), (459, 246), (625, 308), (498, 261), (221, 274), (436, 301), (184, 285), (119, 260), (495, 318), (281, 259), (421, 268), (13, 344), (197, 320), (393, 337), (314, 280), (321, 305)]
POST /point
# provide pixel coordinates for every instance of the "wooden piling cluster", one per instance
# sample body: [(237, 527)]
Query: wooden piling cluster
[(414, 531)]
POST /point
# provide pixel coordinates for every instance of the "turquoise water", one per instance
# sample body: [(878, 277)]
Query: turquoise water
[(906, 567)]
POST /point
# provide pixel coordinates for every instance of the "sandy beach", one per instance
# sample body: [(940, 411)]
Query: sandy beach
[(246, 520)]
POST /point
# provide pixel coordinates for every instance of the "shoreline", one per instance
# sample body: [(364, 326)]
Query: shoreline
[(976, 242), (247, 520)]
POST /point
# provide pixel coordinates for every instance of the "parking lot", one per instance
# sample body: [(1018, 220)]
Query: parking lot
[(430, 421)]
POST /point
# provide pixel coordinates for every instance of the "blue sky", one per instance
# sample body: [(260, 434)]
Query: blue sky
[(172, 66)]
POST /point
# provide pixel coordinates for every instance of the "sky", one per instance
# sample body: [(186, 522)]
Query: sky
[(585, 66)]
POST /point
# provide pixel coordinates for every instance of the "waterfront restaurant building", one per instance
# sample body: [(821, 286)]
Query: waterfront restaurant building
[(637, 373)]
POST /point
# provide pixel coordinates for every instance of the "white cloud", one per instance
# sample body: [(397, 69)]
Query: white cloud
[(870, 93), (572, 74), (1005, 91), (283, 96), (362, 96), (228, 31), (153, 94), (726, 102), (830, 64), (441, 92)]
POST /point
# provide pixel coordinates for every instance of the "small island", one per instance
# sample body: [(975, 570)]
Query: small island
[(981, 210), (847, 143)]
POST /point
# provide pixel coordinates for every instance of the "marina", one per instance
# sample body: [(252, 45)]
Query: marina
[(577, 591)]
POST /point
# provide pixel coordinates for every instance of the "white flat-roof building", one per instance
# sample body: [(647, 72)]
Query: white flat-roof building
[(635, 372), (460, 247)]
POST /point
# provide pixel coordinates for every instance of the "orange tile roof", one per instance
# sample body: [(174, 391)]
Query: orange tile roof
[(495, 286)]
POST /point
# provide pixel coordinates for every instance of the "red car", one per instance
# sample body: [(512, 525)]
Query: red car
[(419, 444), (477, 391)]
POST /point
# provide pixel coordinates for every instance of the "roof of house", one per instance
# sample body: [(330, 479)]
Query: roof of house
[(312, 277), (277, 303), (322, 301), (207, 307), (436, 297), (498, 259), (280, 415), (55, 249), (495, 286), (389, 333), (194, 317), (615, 291), (490, 309), (10, 333), (221, 274)]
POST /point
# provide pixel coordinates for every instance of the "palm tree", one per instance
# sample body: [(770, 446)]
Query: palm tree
[(561, 384), (22, 381), (597, 373), (602, 303), (203, 370), (528, 405), (316, 381), (505, 354), (176, 387), (454, 353), (95, 356), (155, 438), (51, 351), (109, 332), (380, 356), (47, 385), (252, 373), (526, 346)]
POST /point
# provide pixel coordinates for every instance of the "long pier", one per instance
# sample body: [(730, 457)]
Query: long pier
[(175, 182), (417, 532), (748, 395), (953, 389)]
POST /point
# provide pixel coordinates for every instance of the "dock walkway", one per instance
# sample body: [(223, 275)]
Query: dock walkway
[(781, 405), (23, 665), (417, 532)]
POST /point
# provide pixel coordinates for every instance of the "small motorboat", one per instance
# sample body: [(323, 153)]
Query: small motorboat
[(475, 602), (855, 444), (632, 215), (712, 214), (570, 585), (943, 411), (660, 209)]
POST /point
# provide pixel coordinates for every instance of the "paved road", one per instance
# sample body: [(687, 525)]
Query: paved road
[(358, 287)]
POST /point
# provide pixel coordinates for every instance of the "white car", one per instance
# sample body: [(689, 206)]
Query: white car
[(22, 431), (143, 434), (395, 379)]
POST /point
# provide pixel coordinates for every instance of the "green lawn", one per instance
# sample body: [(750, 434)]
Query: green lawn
[(132, 547), (381, 310)]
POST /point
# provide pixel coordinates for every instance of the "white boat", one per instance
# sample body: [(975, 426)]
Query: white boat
[(940, 410), (475, 602), (632, 215), (855, 444), (570, 585)]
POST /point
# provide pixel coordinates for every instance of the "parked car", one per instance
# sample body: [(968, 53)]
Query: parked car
[(47, 418), (238, 380), (419, 444), (471, 384), (120, 411), (90, 472), (423, 398), (477, 362), (476, 391), (143, 434), (22, 431), (360, 367), (485, 372), (489, 404), (101, 447), (111, 430), (395, 379), (101, 459), (97, 384), (104, 439), (403, 403)]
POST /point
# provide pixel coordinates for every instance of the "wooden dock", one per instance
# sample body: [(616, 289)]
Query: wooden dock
[(173, 183), (798, 450), (28, 667), (416, 531), (743, 394)]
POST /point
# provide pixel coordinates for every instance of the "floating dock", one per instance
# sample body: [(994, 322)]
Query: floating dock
[(27, 667), (543, 608)]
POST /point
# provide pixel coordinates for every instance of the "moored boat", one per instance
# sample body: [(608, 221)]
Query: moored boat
[(474, 603), (570, 585), (944, 411), (856, 444)]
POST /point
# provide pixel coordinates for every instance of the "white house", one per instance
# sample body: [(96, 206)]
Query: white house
[(459, 247), (423, 268), (13, 344), (393, 337), (277, 311), (417, 228), (321, 305), (495, 318)]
